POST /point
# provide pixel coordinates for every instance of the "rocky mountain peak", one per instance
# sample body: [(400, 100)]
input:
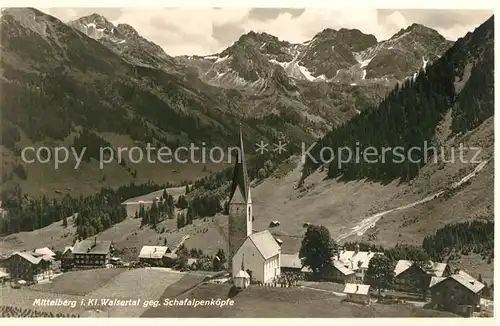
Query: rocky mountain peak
[(353, 39), (124, 40), (417, 31), (98, 20), (127, 30)]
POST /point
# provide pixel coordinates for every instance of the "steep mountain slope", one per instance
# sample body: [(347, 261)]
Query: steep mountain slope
[(68, 83), (461, 80), (409, 50), (356, 204)]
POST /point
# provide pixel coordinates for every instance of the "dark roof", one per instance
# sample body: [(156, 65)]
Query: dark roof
[(92, 246), (240, 176)]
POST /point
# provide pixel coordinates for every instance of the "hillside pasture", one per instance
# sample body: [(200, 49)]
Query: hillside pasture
[(144, 284), (269, 302)]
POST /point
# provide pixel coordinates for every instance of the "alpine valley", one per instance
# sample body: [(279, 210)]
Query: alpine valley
[(89, 84)]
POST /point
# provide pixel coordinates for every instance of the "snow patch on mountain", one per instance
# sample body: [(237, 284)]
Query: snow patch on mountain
[(221, 59), (424, 63)]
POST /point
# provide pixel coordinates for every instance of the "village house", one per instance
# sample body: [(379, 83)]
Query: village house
[(291, 263), (67, 258), (339, 272), (358, 293), (259, 252), (409, 276), (458, 293), (347, 261), (29, 266), (170, 259), (91, 253), (154, 255)]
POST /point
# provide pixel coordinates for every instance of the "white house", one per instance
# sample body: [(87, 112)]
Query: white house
[(260, 256), (356, 261), (359, 293)]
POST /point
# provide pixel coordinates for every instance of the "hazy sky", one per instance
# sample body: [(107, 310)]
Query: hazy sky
[(206, 31)]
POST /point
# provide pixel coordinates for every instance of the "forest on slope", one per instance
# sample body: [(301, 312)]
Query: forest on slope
[(409, 115)]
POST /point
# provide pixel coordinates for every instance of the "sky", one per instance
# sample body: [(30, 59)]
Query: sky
[(203, 31)]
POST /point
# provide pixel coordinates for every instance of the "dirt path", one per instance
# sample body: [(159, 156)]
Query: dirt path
[(370, 221), (338, 294)]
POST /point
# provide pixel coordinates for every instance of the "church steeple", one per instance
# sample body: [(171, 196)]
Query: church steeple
[(239, 207), (240, 177)]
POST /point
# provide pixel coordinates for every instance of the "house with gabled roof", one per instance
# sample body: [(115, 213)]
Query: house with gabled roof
[(154, 255), (412, 276), (358, 293), (291, 263), (459, 293), (29, 266), (91, 253), (354, 261), (340, 272)]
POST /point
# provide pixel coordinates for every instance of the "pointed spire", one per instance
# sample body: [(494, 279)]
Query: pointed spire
[(240, 176)]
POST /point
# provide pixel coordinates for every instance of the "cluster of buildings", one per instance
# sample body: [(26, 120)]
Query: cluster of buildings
[(39, 264), (257, 256)]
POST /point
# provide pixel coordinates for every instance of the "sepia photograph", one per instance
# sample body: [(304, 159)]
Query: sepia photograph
[(246, 162)]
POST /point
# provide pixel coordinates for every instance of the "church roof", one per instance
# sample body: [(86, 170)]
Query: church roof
[(240, 176), (265, 243)]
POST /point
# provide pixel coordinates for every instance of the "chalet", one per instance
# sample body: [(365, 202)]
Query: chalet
[(356, 261), (154, 255), (459, 293), (91, 253), (411, 277), (261, 256), (340, 273), (28, 266), (358, 293), (291, 263), (67, 258)]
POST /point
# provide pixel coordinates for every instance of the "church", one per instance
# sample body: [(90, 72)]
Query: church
[(257, 254)]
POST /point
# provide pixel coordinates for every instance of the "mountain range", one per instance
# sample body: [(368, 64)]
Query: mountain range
[(90, 75)]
